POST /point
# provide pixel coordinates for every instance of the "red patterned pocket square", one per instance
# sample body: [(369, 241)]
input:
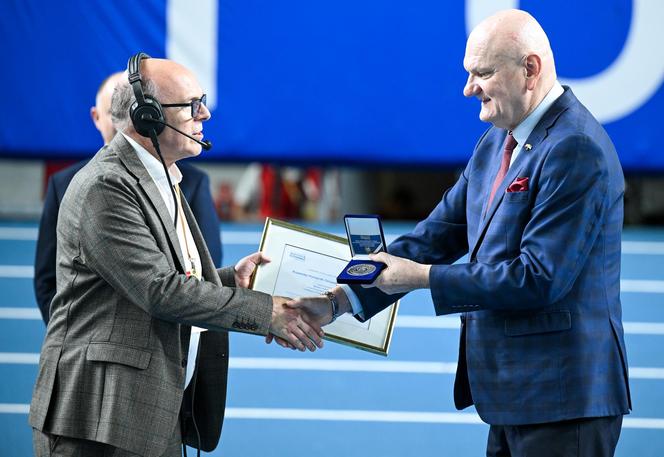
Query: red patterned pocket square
[(519, 185)]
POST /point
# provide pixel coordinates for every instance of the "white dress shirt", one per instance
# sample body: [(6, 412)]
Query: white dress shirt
[(526, 127), (190, 254)]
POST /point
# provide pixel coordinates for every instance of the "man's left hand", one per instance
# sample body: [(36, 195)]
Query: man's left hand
[(246, 267), (401, 275)]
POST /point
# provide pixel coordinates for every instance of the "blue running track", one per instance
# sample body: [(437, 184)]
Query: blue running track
[(340, 401)]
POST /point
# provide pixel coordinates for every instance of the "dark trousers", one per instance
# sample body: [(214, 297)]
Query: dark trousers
[(49, 445), (591, 437)]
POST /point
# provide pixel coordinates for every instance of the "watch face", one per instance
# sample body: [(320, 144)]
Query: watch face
[(361, 269)]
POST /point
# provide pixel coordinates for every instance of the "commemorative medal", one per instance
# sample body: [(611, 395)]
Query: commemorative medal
[(361, 269)]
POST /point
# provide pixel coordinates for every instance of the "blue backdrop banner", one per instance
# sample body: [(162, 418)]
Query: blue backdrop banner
[(343, 81)]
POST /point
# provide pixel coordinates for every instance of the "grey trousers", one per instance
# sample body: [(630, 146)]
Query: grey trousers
[(49, 445)]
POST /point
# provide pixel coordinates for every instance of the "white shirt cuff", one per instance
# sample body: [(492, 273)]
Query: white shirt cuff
[(354, 301)]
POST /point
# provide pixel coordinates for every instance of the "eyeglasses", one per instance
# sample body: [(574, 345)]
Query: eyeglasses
[(195, 105)]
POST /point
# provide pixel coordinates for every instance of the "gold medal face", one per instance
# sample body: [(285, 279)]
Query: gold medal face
[(361, 269)]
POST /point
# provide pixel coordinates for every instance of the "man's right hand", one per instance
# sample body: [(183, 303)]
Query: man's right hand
[(318, 311), (293, 326)]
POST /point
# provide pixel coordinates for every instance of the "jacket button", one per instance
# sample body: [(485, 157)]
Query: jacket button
[(184, 363)]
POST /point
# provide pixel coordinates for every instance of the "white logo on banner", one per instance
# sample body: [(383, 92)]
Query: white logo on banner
[(632, 78), (191, 39)]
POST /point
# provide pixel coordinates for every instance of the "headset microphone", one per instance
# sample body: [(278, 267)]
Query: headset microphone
[(206, 144)]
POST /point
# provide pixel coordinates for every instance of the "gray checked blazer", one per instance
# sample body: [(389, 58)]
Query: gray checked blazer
[(112, 365)]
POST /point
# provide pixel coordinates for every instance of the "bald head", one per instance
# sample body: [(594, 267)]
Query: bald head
[(101, 112), (513, 35), (510, 65), (164, 80), (167, 75), (177, 90)]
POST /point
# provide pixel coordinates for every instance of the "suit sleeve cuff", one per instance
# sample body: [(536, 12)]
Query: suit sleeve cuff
[(227, 276), (354, 301), (439, 291)]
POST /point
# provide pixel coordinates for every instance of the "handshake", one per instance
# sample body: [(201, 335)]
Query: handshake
[(296, 324)]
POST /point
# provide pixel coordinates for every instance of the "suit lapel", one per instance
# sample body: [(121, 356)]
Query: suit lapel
[(535, 139), (130, 159), (487, 212), (512, 173)]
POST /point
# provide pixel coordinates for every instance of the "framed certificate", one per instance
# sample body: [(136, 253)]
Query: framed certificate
[(306, 262)]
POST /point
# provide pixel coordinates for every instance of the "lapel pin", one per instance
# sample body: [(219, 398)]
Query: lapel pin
[(527, 146)]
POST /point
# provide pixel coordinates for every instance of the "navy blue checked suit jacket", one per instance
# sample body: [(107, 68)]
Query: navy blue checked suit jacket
[(541, 330), (195, 186)]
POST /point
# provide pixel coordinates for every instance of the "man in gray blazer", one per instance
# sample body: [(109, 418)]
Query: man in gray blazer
[(132, 280)]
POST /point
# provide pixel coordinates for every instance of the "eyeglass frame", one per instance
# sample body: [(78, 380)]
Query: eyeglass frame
[(201, 102)]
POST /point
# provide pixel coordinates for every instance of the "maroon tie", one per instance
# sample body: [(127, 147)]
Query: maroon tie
[(508, 148)]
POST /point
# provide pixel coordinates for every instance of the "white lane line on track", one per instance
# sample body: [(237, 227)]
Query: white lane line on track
[(648, 286), (453, 323), (17, 271), (644, 328), (392, 416), (353, 415), (345, 415), (234, 237), (403, 321), (18, 234), (19, 358), (14, 408), (336, 365), (20, 313), (626, 285), (428, 322), (372, 366), (240, 237), (643, 247)]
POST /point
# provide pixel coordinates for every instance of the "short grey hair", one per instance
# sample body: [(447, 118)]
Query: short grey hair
[(123, 97)]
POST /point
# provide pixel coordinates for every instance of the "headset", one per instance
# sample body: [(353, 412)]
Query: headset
[(147, 116), (146, 112)]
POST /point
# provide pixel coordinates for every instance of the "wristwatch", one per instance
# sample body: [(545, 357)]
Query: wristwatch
[(335, 304)]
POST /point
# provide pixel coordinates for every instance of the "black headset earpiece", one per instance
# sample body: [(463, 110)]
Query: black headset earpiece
[(147, 116), (146, 112)]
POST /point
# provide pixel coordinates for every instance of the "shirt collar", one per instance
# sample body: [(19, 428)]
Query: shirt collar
[(154, 167), (525, 128)]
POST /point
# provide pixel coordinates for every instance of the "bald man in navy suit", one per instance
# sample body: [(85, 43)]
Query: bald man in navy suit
[(195, 186), (539, 212)]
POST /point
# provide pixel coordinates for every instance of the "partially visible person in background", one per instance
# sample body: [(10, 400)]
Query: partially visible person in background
[(195, 185)]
